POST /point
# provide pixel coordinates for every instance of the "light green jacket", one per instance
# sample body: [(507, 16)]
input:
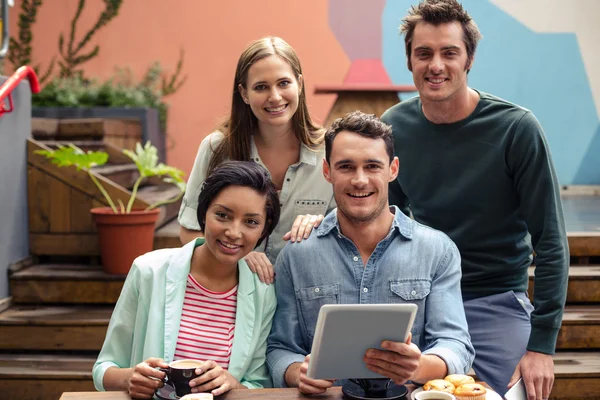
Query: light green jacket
[(145, 321)]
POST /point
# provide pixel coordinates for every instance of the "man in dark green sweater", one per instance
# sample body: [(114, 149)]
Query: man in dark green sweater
[(479, 169)]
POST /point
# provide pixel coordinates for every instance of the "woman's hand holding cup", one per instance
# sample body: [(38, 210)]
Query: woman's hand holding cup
[(215, 379), (145, 378)]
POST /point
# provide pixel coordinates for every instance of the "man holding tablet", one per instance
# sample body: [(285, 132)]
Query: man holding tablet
[(366, 252)]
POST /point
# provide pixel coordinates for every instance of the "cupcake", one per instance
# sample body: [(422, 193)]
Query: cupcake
[(470, 391), (439, 384), (458, 379)]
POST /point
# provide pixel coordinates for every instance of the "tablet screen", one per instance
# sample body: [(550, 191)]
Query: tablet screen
[(344, 332)]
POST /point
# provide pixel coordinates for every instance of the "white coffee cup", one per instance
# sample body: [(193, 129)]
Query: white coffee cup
[(197, 396), (433, 395)]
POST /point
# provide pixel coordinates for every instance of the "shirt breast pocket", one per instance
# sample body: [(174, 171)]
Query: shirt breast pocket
[(412, 291), (313, 207), (311, 299)]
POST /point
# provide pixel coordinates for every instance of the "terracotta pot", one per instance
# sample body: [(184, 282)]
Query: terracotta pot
[(123, 237)]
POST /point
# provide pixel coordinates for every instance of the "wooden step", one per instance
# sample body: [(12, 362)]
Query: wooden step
[(580, 328), (584, 284), (62, 328), (65, 284), (577, 376), (121, 174), (44, 377), (168, 236)]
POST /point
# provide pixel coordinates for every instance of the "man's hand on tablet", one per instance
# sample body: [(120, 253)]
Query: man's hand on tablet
[(398, 361), (296, 376)]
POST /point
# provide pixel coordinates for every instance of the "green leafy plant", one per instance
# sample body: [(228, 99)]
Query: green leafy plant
[(121, 90), (145, 158)]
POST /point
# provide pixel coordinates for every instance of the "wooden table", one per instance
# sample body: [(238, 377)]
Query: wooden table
[(334, 393)]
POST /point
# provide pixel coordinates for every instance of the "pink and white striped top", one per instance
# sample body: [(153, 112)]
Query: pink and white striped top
[(207, 324)]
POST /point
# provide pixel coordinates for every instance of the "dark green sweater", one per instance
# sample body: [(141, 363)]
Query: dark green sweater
[(489, 183)]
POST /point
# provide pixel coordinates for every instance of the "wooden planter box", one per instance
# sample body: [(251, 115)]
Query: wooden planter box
[(148, 118), (121, 133), (60, 199)]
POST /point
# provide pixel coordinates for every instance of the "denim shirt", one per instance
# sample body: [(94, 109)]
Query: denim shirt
[(412, 264)]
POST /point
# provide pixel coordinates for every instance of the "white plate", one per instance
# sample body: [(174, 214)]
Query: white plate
[(490, 394)]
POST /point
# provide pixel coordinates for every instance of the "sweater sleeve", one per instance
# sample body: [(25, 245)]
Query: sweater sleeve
[(396, 196), (530, 164)]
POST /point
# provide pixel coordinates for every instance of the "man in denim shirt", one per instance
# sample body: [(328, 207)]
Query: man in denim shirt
[(366, 252)]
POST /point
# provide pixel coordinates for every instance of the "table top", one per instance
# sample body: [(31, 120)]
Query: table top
[(334, 393)]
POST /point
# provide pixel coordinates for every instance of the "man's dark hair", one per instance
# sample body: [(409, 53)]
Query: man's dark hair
[(240, 173), (367, 125), (438, 12)]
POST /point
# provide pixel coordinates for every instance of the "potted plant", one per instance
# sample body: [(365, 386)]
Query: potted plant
[(124, 233)]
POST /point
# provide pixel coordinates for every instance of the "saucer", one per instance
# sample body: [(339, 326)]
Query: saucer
[(166, 392), (489, 395), (354, 391)]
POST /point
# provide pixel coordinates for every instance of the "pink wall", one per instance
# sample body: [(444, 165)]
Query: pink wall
[(213, 34)]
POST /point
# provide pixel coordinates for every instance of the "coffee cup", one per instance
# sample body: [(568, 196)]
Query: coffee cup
[(180, 373), (198, 396), (434, 395)]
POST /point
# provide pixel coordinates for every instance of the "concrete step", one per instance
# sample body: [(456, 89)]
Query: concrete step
[(584, 284), (65, 284), (580, 328), (43, 376), (577, 376), (56, 328)]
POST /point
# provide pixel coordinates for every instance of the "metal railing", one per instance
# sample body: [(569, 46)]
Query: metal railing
[(12, 82)]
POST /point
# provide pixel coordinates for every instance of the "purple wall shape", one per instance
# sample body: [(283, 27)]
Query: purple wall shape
[(356, 24)]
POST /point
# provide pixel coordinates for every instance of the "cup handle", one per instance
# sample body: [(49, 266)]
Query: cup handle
[(166, 381)]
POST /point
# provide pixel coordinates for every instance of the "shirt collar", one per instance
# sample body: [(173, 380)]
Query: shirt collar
[(401, 223)]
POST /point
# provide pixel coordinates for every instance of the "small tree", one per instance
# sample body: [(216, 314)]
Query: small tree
[(72, 56), (19, 50)]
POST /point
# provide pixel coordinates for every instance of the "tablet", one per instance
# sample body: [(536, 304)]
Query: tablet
[(344, 332)]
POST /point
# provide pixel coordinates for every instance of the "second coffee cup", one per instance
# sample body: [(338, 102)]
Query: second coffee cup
[(180, 373)]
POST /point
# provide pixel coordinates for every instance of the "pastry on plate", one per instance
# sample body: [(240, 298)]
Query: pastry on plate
[(439, 384), (470, 391), (459, 379)]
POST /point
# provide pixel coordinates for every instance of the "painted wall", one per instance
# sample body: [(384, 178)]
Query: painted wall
[(537, 53), (541, 54), (15, 128), (213, 34)]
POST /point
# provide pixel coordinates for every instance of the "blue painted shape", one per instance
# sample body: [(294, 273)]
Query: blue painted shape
[(589, 170), (543, 72)]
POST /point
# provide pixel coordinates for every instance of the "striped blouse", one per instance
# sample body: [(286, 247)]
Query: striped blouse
[(207, 324)]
